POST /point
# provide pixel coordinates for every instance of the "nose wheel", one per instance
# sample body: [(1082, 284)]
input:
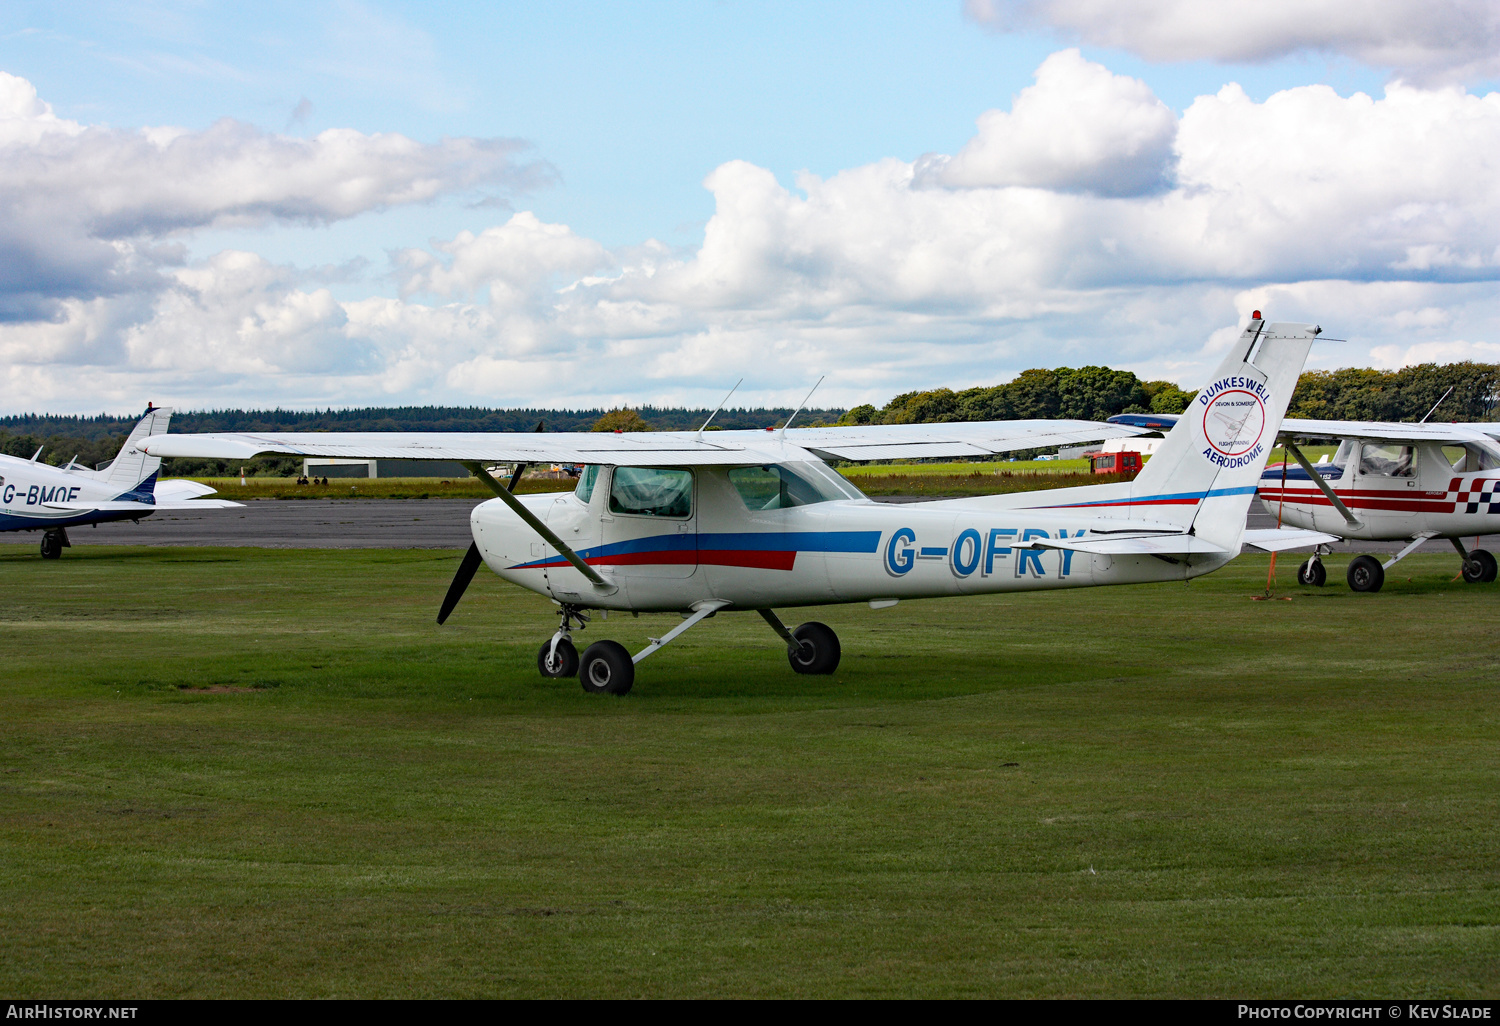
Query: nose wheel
[(1312, 573), (557, 659)]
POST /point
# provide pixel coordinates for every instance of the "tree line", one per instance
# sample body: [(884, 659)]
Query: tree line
[(1096, 393), (1081, 393)]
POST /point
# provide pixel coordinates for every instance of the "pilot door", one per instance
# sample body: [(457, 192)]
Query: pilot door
[(649, 523), (1386, 480)]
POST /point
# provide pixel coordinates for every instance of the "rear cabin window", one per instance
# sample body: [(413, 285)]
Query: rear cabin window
[(651, 492), (1389, 461), (1467, 459), (781, 487), (585, 489)]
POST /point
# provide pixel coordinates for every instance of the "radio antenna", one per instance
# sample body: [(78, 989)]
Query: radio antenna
[(717, 408), (1437, 404), (798, 410)]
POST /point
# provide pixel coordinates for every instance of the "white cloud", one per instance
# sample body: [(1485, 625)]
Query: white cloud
[(82, 206), (1433, 41), (1079, 128), (1396, 357), (1371, 216)]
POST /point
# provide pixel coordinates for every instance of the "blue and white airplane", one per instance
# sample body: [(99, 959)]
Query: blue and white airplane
[(37, 497), (699, 523)]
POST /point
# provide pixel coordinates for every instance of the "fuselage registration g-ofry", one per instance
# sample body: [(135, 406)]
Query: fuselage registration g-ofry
[(748, 520), (37, 497)]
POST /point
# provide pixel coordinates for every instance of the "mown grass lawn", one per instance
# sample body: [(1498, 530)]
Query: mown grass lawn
[(268, 772)]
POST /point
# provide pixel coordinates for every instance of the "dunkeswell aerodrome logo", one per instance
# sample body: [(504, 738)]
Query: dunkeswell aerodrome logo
[(1234, 419)]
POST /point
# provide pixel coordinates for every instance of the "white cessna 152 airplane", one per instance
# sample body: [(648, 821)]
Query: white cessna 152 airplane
[(38, 497), (750, 520), (1386, 482)]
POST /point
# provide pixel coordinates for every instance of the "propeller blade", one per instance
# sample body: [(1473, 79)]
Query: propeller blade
[(461, 580)]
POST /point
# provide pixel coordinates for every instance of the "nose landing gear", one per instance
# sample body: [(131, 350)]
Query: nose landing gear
[(557, 656), (1312, 573)]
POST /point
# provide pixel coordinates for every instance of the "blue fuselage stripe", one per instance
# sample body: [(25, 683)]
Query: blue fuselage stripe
[(789, 541)]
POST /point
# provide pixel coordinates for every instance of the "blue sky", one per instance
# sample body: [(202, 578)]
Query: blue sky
[(632, 106)]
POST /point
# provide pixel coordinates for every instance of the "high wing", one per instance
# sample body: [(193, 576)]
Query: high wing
[(1370, 430), (1388, 431), (1279, 539), (653, 448)]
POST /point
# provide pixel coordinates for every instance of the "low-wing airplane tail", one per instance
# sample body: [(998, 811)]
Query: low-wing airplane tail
[(1206, 472), (133, 470)]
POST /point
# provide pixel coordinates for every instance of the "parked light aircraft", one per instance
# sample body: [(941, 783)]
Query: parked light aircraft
[(37, 497), (745, 520), (1386, 482)]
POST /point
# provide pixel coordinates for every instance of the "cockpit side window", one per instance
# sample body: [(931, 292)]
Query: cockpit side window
[(1388, 461), (586, 479), (651, 492), (779, 486)]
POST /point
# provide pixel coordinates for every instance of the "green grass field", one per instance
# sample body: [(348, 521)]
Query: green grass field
[(241, 772)]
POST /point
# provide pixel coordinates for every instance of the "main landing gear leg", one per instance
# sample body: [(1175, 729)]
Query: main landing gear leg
[(1478, 566), (606, 668), (54, 541), (811, 648), (558, 657)]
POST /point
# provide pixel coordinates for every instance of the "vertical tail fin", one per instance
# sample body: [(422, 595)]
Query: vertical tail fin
[(1205, 473), (132, 470)]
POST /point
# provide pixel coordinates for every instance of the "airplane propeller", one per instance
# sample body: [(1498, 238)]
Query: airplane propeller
[(472, 558), (461, 580)]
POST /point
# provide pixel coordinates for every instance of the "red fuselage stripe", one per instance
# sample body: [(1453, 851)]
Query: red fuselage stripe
[(754, 559)]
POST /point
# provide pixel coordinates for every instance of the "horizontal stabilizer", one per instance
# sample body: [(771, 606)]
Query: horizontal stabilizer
[(129, 507), (1279, 539), (1139, 545), (179, 488)]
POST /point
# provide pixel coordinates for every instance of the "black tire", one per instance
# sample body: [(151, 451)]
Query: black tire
[(1479, 568), (818, 649), (564, 665), (1366, 574), (51, 546), (1312, 573), (606, 669)]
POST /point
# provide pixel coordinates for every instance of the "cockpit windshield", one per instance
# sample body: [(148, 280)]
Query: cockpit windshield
[(781, 486)]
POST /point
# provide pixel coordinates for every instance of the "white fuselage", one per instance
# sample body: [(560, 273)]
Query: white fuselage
[(843, 550), (1419, 492), (29, 492)]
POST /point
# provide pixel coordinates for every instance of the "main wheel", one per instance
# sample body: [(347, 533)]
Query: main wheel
[(1479, 568), (606, 669), (1366, 573), (1312, 573), (51, 545), (563, 664), (817, 649)]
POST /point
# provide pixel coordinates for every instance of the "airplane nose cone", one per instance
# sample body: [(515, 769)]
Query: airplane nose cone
[(504, 539)]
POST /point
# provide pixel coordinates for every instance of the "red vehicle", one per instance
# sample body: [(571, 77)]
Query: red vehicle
[(1116, 462)]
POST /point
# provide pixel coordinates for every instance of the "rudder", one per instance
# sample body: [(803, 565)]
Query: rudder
[(1206, 472), (132, 469)]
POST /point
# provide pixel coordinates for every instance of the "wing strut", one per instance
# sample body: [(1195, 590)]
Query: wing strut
[(536, 525), (1326, 488)]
